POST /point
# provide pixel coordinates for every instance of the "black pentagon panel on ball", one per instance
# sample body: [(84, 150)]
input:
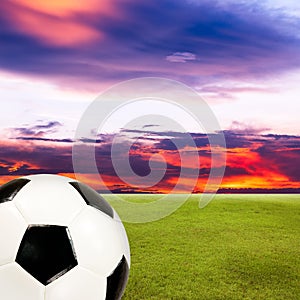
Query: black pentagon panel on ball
[(116, 282), (46, 252), (92, 198), (10, 189)]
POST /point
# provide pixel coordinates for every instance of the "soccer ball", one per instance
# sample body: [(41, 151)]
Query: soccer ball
[(59, 239)]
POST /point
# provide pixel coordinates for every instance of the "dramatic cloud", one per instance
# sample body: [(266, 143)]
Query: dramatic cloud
[(116, 40), (256, 161), (20, 158)]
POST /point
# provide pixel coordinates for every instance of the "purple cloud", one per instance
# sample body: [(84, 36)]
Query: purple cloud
[(181, 57), (250, 154), (232, 41), (36, 131)]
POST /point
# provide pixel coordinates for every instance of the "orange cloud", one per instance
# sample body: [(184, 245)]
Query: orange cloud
[(67, 7), (55, 31), (55, 22), (6, 178), (245, 158), (262, 173), (268, 180)]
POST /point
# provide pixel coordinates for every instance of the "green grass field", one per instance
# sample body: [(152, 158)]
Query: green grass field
[(237, 247)]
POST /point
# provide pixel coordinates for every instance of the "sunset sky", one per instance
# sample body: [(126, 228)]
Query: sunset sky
[(242, 57)]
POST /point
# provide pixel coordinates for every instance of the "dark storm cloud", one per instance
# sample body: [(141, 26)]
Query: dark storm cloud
[(237, 140), (23, 158), (183, 140), (231, 171), (284, 152), (35, 131), (231, 40), (170, 140), (24, 138)]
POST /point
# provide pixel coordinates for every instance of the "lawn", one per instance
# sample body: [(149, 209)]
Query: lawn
[(237, 247)]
